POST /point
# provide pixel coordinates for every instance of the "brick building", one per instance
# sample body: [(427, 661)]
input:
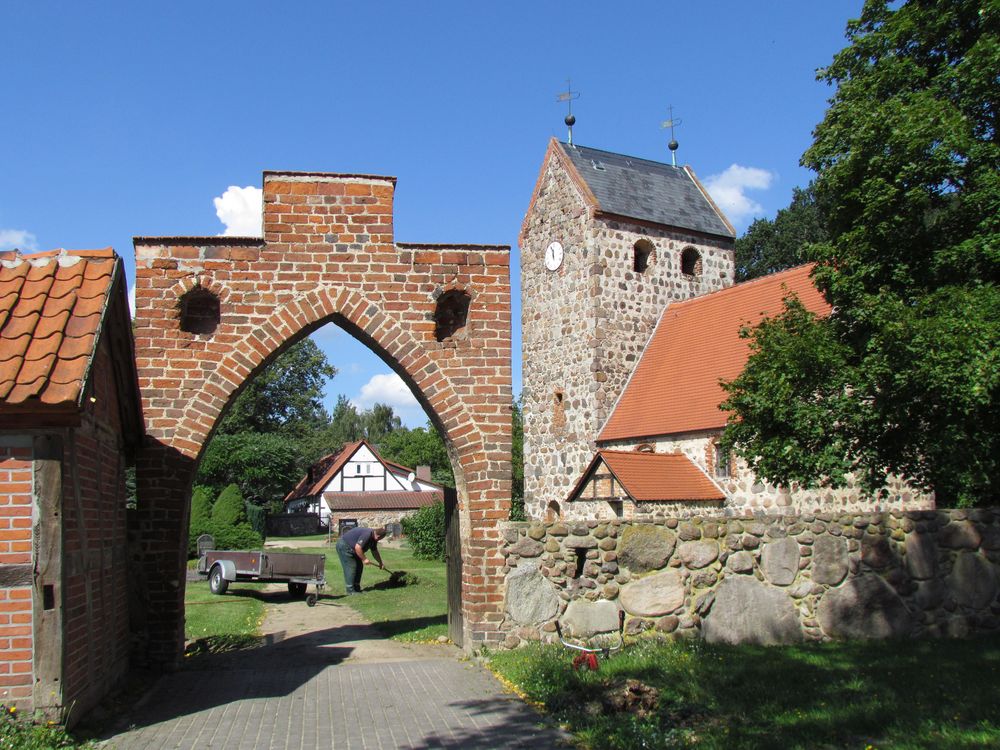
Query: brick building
[(70, 420)]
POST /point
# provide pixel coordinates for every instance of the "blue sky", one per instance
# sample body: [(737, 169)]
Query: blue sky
[(126, 119)]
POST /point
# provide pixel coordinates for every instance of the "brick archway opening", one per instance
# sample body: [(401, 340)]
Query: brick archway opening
[(327, 255)]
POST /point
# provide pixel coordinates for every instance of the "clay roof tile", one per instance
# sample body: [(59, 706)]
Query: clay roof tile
[(675, 387), (51, 309)]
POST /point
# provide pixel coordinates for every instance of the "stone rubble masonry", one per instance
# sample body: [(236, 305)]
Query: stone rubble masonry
[(767, 579), (586, 324), (327, 255), (745, 493)]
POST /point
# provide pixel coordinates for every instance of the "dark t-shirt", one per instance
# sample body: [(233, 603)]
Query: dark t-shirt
[(360, 535)]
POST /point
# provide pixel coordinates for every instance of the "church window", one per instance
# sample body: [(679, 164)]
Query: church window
[(552, 512), (723, 461), (641, 252), (645, 448), (690, 262)]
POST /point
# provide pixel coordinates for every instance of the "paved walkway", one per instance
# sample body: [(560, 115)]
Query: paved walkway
[(326, 679)]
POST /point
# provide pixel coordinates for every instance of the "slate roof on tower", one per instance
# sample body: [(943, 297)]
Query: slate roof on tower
[(54, 308), (675, 387), (646, 190)]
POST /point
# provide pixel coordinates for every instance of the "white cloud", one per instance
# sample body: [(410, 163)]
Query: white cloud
[(20, 239), (728, 190), (388, 389), (240, 209), (131, 299)]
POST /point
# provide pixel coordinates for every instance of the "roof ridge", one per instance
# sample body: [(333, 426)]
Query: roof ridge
[(739, 286), (624, 156)]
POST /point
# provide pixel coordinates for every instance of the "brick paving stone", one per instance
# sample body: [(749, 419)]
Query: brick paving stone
[(414, 704)]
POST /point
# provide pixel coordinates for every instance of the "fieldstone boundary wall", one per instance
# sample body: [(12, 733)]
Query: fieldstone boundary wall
[(763, 579)]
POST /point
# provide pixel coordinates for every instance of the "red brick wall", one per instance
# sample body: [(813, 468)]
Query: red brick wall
[(15, 602), (95, 585), (327, 254)]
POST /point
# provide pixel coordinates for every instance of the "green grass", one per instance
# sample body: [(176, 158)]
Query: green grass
[(416, 612), (888, 695), (306, 538), (222, 622), (21, 733)]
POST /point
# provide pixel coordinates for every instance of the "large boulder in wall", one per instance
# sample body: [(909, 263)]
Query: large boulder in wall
[(748, 611), (973, 581), (655, 595), (864, 607), (644, 548), (530, 597), (583, 619)]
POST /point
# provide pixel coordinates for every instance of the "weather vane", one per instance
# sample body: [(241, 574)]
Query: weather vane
[(671, 123), (568, 96)]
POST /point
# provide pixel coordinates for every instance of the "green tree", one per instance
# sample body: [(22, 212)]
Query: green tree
[(228, 509), (264, 466), (425, 532), (771, 245), (201, 516), (904, 377), (517, 462), (346, 424), (286, 396), (378, 422), (421, 446)]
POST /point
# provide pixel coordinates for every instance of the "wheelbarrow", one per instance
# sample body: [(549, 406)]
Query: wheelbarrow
[(588, 655)]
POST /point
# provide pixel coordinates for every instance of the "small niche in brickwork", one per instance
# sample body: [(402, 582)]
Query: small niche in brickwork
[(581, 561), (199, 311), (552, 512), (451, 314), (690, 262), (641, 252)]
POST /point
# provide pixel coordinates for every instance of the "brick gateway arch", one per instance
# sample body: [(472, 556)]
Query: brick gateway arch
[(212, 311)]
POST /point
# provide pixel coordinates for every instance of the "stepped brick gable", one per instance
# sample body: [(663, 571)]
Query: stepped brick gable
[(212, 311)]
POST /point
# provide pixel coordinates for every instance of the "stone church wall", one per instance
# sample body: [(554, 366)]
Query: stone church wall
[(586, 324), (763, 579)]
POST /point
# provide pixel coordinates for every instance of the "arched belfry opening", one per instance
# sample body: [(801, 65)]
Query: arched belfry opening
[(327, 254)]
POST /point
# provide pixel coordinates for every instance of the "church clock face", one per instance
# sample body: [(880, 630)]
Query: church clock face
[(553, 256)]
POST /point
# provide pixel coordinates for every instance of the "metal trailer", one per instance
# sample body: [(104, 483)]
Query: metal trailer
[(299, 571)]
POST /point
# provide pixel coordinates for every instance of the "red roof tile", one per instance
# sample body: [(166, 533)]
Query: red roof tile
[(675, 387), (52, 306), (341, 501), (654, 477)]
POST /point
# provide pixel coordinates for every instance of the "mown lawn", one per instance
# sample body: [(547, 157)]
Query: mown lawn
[(415, 612), (890, 695), (221, 622)]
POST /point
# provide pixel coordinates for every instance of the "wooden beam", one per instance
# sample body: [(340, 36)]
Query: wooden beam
[(48, 595)]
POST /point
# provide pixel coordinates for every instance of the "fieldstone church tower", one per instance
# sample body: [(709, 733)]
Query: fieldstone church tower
[(608, 241)]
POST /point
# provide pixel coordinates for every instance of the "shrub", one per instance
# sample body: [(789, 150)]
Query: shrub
[(229, 509), (239, 537), (201, 516), (257, 518), (425, 532)]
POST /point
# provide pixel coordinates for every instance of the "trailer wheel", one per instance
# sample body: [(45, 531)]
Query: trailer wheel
[(217, 583), (296, 589), (311, 600)]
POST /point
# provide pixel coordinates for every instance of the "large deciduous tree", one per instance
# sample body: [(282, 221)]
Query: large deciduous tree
[(771, 245), (904, 376)]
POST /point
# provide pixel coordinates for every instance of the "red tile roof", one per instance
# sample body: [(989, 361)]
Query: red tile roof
[(675, 387), (52, 309), (341, 501), (653, 477)]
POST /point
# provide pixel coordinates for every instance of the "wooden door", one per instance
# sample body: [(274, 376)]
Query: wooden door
[(453, 561)]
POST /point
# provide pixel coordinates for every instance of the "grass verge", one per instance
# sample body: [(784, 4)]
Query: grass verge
[(888, 695), (21, 733), (221, 623)]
